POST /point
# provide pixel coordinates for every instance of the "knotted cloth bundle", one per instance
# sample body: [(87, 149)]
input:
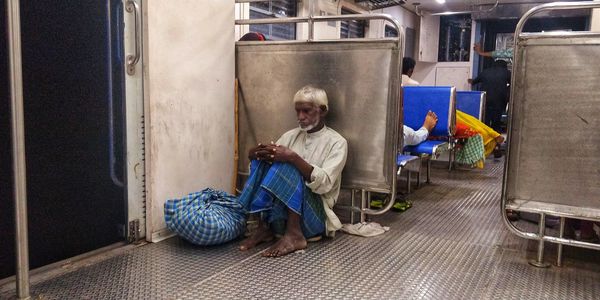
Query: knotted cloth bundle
[(209, 217)]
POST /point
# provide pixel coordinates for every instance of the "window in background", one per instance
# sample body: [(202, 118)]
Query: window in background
[(409, 42), (455, 38), (409, 39), (352, 28), (390, 31), (274, 9)]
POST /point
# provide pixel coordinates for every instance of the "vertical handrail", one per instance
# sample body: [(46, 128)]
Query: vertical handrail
[(311, 24), (112, 161), (18, 141)]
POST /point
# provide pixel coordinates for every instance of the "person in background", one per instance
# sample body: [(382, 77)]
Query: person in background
[(253, 36), (502, 54), (495, 82), (408, 66), (414, 137), (467, 126)]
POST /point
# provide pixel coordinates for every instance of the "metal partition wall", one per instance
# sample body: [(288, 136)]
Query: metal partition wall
[(553, 160), (361, 78)]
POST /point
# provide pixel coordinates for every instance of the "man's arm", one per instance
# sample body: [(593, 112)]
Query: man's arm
[(412, 137), (477, 48), (284, 154), (323, 178), (476, 80)]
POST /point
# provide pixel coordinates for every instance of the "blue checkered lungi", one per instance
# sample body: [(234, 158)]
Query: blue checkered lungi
[(275, 188), (209, 217)]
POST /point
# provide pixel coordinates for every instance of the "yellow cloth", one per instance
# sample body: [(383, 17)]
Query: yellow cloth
[(488, 134)]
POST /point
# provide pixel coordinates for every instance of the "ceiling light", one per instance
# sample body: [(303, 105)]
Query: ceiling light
[(441, 1)]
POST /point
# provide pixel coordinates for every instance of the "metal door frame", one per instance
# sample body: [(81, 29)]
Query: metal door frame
[(134, 135)]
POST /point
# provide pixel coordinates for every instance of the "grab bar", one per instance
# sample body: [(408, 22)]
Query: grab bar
[(311, 19), (132, 60)]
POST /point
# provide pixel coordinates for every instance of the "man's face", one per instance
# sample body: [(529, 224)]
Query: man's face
[(309, 115)]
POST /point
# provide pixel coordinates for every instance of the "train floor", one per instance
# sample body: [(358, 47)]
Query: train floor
[(451, 244)]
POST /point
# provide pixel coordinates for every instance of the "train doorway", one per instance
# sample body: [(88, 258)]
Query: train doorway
[(76, 130)]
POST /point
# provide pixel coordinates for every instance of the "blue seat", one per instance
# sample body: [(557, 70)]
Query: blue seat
[(434, 148), (472, 103), (410, 163), (417, 101)]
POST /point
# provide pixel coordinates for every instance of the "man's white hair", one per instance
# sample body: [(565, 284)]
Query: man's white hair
[(313, 95)]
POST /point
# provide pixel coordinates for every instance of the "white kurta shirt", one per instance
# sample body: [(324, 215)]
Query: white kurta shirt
[(326, 150), (412, 137), (407, 81)]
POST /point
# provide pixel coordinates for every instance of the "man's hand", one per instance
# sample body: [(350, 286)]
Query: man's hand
[(430, 121), (279, 153), (477, 48), (257, 152)]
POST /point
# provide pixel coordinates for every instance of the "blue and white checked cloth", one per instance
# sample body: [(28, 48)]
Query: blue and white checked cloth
[(209, 217), (273, 189)]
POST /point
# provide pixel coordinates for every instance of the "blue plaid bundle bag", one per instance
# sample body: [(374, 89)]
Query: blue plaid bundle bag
[(209, 217)]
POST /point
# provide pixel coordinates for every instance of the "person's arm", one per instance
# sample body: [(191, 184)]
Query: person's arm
[(323, 178), (319, 179), (476, 80), (284, 154), (477, 48), (412, 137), (257, 152)]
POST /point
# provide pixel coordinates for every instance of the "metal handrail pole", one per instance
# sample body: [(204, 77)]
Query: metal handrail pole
[(311, 22), (18, 141)]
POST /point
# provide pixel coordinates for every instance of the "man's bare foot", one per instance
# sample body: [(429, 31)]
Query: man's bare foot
[(262, 234), (286, 245)]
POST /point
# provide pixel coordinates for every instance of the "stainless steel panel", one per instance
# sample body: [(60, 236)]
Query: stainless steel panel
[(361, 83), (554, 154)]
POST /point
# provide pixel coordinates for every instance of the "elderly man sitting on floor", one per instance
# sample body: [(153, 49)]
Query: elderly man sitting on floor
[(296, 181)]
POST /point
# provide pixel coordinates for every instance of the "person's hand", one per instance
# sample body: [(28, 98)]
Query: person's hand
[(470, 81), (257, 152), (278, 153), (430, 121), (477, 48)]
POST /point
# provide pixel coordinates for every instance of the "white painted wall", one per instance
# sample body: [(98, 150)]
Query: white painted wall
[(595, 26), (189, 81)]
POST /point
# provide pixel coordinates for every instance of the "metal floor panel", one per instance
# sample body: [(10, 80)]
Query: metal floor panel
[(450, 245)]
